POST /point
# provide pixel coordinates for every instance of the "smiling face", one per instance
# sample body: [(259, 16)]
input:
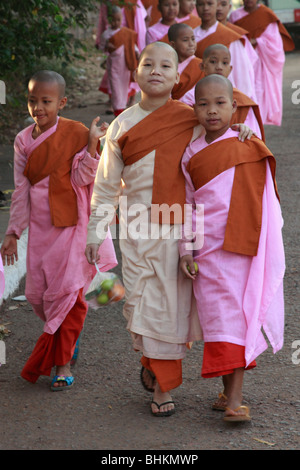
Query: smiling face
[(44, 102), (184, 43), (217, 61), (157, 71), (214, 106)]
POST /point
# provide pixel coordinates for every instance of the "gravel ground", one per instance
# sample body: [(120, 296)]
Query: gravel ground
[(108, 410)]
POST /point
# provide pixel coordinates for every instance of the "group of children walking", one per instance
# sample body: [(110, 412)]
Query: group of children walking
[(256, 40), (165, 164)]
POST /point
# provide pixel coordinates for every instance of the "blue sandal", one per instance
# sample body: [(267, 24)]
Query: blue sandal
[(62, 378)]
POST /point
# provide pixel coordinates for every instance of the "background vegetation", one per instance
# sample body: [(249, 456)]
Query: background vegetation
[(33, 34)]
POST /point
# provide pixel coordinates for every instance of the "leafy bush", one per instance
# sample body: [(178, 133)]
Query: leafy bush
[(39, 28)]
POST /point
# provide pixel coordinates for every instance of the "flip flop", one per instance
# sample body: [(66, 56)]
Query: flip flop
[(163, 413), (217, 406), (238, 417), (151, 375), (62, 378)]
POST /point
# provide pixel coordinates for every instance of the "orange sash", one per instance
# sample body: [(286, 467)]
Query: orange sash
[(257, 22), (128, 38), (167, 130), (188, 78), (193, 21), (54, 158), (244, 103), (245, 211), (236, 28), (222, 35), (129, 11)]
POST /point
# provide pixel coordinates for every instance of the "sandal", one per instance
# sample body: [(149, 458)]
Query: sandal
[(62, 378), (220, 404), (235, 417), (150, 375), (163, 413)]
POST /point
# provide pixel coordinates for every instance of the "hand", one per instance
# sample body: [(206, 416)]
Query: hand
[(110, 47), (185, 262), (9, 250), (91, 253), (95, 134), (245, 131)]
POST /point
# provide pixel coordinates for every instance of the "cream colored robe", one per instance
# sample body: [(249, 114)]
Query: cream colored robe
[(159, 305)]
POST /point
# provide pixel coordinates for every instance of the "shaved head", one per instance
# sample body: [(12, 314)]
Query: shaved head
[(175, 29), (49, 76), (215, 47), (156, 44), (216, 80)]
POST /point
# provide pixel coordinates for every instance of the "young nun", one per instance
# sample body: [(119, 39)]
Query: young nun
[(238, 248), (270, 40), (213, 32)]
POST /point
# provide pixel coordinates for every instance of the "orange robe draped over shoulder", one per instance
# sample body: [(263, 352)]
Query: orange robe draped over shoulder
[(188, 78), (54, 158), (128, 38), (154, 132), (255, 23), (222, 35), (245, 211), (244, 103)]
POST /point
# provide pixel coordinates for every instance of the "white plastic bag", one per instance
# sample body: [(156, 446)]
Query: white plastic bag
[(104, 289)]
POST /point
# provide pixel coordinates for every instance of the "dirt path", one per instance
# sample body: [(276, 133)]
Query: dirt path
[(107, 409)]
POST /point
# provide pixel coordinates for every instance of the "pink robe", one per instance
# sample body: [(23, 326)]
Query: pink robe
[(269, 71), (2, 279), (56, 265), (242, 74), (118, 76), (156, 32), (139, 23), (238, 296)]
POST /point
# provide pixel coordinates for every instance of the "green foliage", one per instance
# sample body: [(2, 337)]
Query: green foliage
[(33, 29)]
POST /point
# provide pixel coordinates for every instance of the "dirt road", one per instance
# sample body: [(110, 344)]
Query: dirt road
[(107, 409)]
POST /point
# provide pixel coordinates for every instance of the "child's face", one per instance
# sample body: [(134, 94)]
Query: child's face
[(169, 9), (116, 21), (186, 7), (185, 44), (157, 71), (214, 108), (223, 9), (218, 62), (44, 102), (207, 10)]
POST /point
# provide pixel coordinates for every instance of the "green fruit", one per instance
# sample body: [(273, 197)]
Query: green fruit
[(195, 266), (107, 284), (102, 299)]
